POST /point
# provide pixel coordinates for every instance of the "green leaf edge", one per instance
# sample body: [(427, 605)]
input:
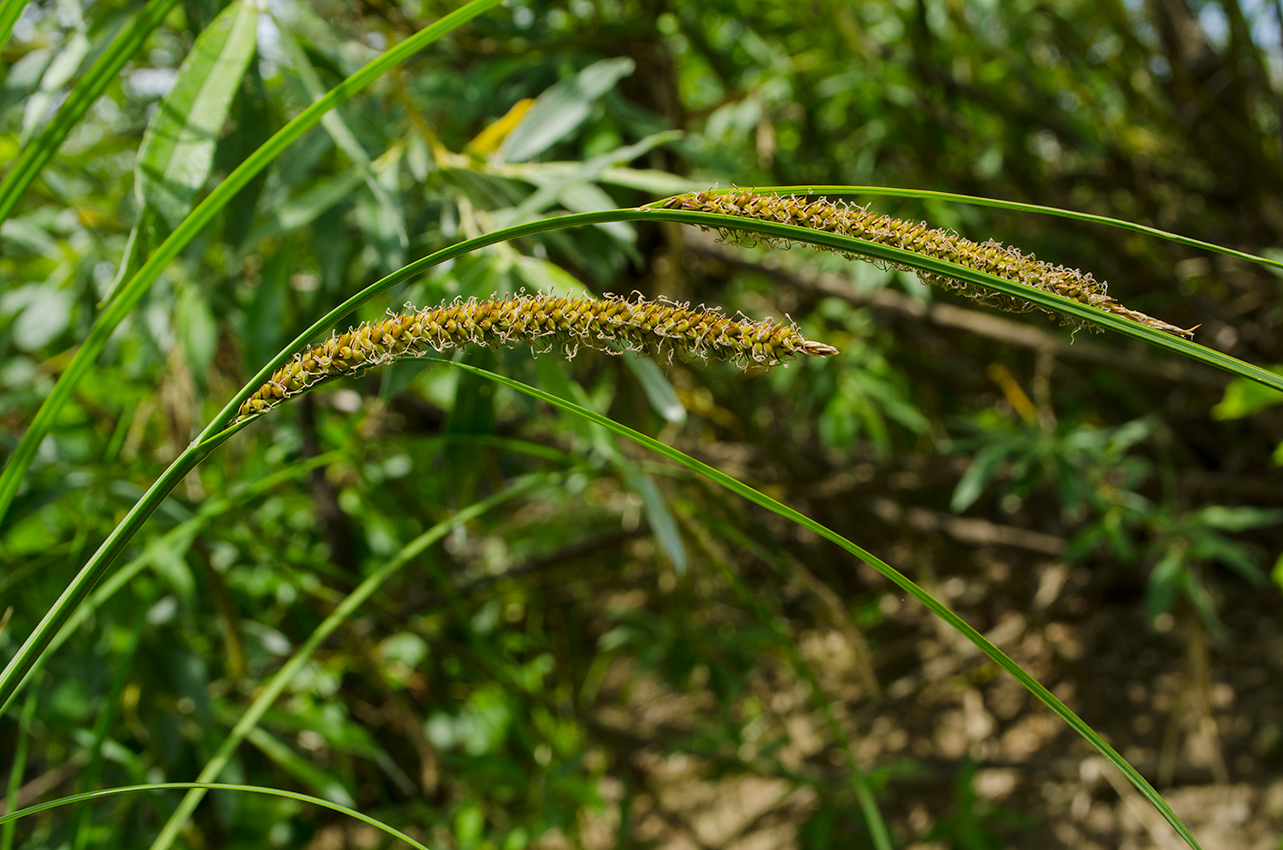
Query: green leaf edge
[(10, 11)]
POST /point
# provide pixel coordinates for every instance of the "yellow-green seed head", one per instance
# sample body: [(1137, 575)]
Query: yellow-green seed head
[(857, 222), (611, 324)]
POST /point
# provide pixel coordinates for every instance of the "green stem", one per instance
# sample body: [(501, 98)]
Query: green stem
[(123, 663), (207, 512), (17, 768), (847, 244), (19, 668), (97, 566)]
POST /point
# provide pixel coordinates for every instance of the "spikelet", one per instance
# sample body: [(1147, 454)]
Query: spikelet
[(612, 324), (991, 257)]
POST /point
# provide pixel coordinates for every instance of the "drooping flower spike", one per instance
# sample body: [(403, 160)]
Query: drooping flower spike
[(611, 324), (991, 257)]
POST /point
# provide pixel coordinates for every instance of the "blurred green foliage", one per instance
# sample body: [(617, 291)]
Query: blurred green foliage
[(513, 686)]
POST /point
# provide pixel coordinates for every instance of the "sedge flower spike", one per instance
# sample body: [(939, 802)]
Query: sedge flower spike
[(857, 222), (610, 324)]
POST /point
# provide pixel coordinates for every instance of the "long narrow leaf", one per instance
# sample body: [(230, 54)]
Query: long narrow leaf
[(187, 530), (20, 666), (898, 256), (10, 11), (16, 769), (212, 435), (97, 566)]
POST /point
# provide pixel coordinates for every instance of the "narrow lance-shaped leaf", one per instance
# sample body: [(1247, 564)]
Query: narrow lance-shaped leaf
[(562, 108), (178, 147), (899, 579), (20, 666)]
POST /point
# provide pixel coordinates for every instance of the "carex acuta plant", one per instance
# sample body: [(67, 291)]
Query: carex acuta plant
[(659, 327), (662, 327), (544, 322), (611, 324), (858, 222)]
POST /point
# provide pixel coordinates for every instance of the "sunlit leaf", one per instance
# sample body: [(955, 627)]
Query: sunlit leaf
[(562, 108), (178, 147)]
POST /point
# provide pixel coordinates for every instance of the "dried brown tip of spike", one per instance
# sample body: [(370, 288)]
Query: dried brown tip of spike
[(544, 322), (857, 222), (818, 349)]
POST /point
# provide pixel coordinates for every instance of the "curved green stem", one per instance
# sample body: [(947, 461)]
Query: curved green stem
[(213, 786), (890, 254), (20, 666), (217, 431)]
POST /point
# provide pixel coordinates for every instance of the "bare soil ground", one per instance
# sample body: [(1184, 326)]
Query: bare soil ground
[(1211, 747)]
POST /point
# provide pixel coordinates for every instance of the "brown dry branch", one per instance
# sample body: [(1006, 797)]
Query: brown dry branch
[(611, 324), (857, 222)]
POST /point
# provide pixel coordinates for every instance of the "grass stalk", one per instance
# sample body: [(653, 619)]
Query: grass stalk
[(100, 562), (20, 666), (16, 770), (1011, 206), (81, 816)]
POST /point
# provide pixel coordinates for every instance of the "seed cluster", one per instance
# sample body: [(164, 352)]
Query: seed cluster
[(991, 257), (612, 324)]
